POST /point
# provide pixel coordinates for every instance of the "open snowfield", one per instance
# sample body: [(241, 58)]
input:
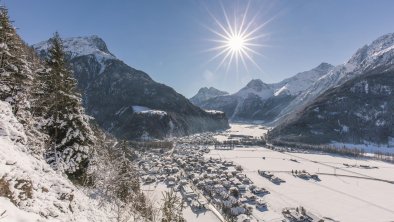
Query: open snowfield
[(239, 129), (339, 197), (353, 194)]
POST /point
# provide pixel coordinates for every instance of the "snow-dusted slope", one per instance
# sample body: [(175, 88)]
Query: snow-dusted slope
[(301, 81), (378, 55), (255, 87), (30, 189)]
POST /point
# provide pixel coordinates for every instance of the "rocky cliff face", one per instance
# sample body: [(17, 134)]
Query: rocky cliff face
[(111, 88)]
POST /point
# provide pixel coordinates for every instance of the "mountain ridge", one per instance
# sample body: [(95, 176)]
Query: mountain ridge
[(109, 85)]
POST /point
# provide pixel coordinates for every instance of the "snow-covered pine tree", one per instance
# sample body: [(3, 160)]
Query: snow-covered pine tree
[(15, 72), (65, 120)]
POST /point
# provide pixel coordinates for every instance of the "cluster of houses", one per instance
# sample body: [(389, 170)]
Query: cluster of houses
[(303, 174), (360, 166), (203, 181), (299, 214), (213, 182), (221, 182), (271, 177)]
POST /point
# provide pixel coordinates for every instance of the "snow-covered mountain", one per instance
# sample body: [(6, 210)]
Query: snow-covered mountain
[(111, 89), (259, 101), (377, 55), (257, 88), (301, 81), (360, 111), (351, 104), (206, 93)]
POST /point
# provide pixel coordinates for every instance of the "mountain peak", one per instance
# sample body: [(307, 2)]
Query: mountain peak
[(257, 85), (206, 93), (324, 66), (369, 53), (80, 46)]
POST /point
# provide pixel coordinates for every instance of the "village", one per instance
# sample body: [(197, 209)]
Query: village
[(221, 177), (211, 184)]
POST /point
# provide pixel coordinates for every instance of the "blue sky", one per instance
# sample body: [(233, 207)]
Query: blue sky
[(168, 39)]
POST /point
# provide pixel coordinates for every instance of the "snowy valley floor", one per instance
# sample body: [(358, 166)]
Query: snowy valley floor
[(353, 194)]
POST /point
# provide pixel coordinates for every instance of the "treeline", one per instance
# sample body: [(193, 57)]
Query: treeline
[(146, 145), (352, 152), (319, 148)]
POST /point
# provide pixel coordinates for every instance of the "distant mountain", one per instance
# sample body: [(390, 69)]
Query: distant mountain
[(359, 111), (352, 103), (111, 90), (262, 102), (206, 93), (378, 55)]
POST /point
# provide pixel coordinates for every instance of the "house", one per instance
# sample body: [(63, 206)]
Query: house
[(241, 188), (219, 188), (150, 179), (235, 211), (243, 218), (188, 192), (261, 205)]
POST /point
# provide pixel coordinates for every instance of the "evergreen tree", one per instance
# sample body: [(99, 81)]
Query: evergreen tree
[(18, 63), (64, 117), (15, 73), (172, 208)]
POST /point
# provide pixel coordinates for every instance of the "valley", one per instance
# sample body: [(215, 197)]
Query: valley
[(133, 129), (342, 184)]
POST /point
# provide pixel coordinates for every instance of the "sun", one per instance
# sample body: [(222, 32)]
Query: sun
[(239, 39), (236, 43)]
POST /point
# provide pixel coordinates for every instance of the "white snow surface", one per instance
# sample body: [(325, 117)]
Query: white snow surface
[(349, 193), (148, 111), (242, 129), (342, 198), (39, 193), (214, 111)]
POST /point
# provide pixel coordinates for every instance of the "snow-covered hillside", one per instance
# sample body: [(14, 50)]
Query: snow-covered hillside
[(31, 190), (301, 81)]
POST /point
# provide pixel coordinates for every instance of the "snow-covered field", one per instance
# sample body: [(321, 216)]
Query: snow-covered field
[(355, 193), (339, 197), (239, 129), (345, 193)]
